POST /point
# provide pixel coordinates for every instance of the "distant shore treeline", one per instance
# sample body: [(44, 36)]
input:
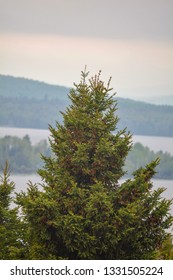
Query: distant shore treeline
[(23, 157), (32, 104)]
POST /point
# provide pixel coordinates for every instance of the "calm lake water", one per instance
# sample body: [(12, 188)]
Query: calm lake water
[(156, 144)]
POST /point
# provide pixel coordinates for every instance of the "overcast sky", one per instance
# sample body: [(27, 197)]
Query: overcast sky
[(52, 41)]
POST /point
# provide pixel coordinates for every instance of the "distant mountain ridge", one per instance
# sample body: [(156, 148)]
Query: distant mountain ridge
[(33, 104)]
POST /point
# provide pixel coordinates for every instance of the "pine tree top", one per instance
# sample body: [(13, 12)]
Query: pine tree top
[(87, 145)]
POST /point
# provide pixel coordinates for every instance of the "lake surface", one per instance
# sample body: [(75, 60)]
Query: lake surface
[(155, 143)]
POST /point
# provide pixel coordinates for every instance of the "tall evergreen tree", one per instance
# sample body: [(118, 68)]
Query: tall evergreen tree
[(83, 211)]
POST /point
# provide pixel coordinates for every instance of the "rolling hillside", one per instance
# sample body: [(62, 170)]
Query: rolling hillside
[(33, 104)]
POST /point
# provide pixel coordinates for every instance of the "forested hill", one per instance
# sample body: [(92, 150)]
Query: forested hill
[(33, 104), (22, 88)]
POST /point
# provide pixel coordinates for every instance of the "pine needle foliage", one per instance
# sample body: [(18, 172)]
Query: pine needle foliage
[(83, 211), (11, 227)]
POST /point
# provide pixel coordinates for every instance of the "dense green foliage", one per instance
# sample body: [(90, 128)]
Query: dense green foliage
[(83, 211), (23, 157), (32, 104), (12, 230), (165, 251), (26, 158)]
